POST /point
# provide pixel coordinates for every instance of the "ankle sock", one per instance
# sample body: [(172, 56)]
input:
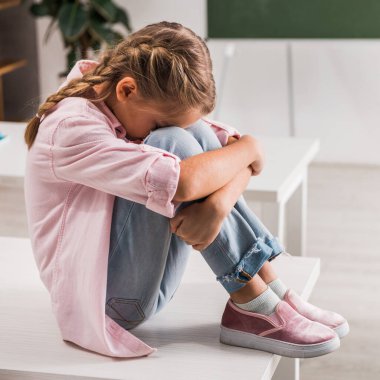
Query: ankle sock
[(278, 287), (265, 303)]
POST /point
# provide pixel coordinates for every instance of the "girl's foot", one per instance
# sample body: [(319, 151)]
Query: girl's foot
[(283, 332), (328, 318), (314, 313)]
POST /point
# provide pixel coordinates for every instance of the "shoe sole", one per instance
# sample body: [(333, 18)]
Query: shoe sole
[(291, 350), (342, 330)]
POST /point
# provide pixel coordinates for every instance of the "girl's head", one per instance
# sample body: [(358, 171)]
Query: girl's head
[(160, 75)]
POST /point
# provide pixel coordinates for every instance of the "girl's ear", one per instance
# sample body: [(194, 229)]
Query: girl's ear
[(125, 88)]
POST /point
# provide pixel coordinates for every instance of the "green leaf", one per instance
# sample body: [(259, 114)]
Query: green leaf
[(93, 14), (72, 19), (102, 33), (39, 10), (49, 29), (65, 41), (96, 45), (122, 16), (106, 8), (54, 6), (71, 58), (47, 8)]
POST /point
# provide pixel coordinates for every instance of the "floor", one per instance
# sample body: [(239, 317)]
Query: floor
[(344, 231)]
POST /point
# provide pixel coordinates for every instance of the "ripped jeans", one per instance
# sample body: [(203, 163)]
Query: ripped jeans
[(147, 261)]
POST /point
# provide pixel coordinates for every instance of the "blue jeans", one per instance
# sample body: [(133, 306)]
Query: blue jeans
[(147, 261)]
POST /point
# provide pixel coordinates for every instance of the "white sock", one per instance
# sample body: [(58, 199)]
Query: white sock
[(278, 287), (265, 303)]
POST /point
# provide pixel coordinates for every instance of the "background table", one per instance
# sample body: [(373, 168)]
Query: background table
[(281, 189), (13, 151)]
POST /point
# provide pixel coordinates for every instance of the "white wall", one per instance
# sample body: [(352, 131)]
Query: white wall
[(254, 96), (337, 98), (335, 87)]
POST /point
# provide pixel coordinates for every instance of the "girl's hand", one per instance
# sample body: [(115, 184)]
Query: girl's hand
[(258, 165), (198, 224), (231, 140)]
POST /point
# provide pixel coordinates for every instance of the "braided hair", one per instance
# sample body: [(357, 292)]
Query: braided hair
[(168, 61)]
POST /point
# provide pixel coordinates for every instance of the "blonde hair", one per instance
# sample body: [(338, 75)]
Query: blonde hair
[(168, 61)]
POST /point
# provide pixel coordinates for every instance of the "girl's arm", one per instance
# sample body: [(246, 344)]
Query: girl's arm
[(204, 173), (224, 199)]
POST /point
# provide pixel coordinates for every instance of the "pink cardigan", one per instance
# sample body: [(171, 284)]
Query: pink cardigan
[(79, 161)]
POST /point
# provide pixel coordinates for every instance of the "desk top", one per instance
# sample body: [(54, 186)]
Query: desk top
[(13, 149), (186, 331), (286, 160)]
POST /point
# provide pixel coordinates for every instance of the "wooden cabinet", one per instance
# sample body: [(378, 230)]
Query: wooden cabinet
[(9, 62), (7, 66)]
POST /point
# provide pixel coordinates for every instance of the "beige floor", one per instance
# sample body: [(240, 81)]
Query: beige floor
[(344, 230)]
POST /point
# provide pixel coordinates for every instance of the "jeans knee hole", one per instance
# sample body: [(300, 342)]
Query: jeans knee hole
[(243, 276)]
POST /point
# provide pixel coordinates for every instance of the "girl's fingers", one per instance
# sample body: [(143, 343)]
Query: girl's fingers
[(175, 223)]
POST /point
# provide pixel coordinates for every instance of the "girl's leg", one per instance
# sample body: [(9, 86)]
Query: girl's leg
[(208, 140), (147, 261), (257, 292), (266, 274)]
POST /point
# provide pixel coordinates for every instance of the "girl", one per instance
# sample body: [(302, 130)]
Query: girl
[(125, 175)]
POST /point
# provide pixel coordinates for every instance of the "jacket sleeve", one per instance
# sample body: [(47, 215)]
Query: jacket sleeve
[(222, 130), (85, 151)]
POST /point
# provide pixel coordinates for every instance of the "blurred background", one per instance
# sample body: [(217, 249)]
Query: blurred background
[(289, 69)]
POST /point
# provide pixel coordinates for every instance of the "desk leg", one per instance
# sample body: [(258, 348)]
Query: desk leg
[(287, 369), (273, 217), (296, 215)]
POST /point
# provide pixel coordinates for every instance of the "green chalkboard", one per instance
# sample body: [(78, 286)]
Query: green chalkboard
[(293, 18)]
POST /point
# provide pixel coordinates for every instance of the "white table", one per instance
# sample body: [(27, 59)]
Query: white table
[(282, 186), (186, 331), (13, 150)]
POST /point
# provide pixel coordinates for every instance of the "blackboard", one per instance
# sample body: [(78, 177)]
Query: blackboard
[(293, 18)]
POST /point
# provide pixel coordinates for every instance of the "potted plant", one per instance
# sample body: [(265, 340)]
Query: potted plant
[(84, 25)]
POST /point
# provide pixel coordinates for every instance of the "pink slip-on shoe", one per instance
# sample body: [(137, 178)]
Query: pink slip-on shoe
[(284, 332), (328, 318)]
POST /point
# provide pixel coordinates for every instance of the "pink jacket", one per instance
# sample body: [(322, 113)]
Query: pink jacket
[(79, 161)]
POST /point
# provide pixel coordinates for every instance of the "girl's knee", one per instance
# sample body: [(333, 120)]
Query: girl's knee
[(204, 134), (174, 139)]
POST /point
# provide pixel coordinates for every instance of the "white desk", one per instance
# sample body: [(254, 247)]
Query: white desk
[(282, 186), (186, 331), (13, 150), (281, 189)]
